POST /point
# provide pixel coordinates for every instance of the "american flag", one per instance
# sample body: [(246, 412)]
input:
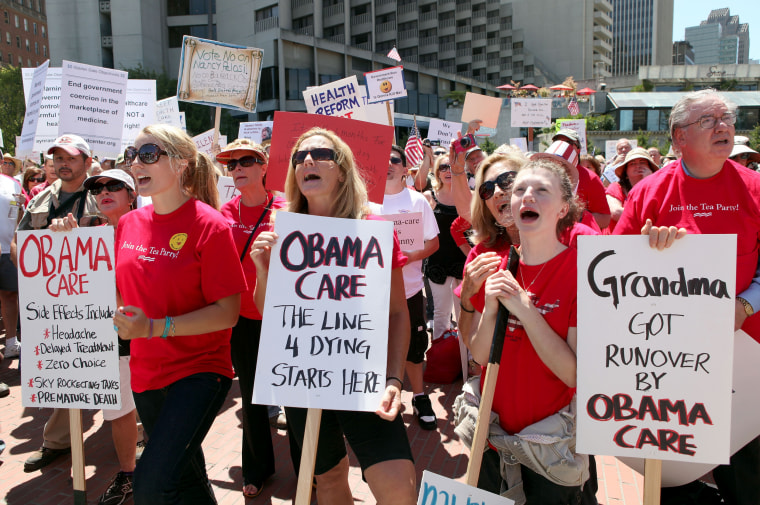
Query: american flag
[(573, 107), (393, 54), (413, 149)]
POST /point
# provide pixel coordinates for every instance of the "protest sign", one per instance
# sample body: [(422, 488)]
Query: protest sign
[(205, 142), (531, 112), (256, 131), (485, 108), (325, 328), (140, 109), (182, 122), (655, 347), (408, 226), (25, 147), (67, 299), (167, 111), (610, 148), (218, 74), (578, 126), (47, 124), (434, 487), (92, 106), (520, 142), (341, 98), (376, 112), (443, 131), (226, 187), (385, 84), (369, 142)]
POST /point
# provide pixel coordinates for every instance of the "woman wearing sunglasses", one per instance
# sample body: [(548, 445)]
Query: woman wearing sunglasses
[(250, 213), (179, 281), (33, 177), (323, 180)]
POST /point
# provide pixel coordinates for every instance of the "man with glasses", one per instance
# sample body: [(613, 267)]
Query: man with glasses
[(705, 192)]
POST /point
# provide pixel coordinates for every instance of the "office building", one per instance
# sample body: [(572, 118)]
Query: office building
[(23, 33), (720, 39), (642, 34), (683, 53)]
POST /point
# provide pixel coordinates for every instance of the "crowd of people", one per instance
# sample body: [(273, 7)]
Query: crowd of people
[(189, 323)]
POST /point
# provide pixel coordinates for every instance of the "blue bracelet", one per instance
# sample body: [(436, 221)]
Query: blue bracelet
[(167, 325)]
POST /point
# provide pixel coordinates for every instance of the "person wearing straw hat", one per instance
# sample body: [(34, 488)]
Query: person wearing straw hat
[(742, 153), (636, 166), (11, 166)]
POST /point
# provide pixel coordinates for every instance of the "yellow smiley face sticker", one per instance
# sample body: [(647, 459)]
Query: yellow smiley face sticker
[(385, 86), (177, 241)]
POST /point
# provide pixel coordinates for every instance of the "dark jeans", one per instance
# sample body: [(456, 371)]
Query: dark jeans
[(257, 451), (177, 418)]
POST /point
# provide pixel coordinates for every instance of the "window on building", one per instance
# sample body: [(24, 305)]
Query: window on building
[(15, 19), (188, 7), (304, 22), (7, 17), (177, 32), (296, 80), (8, 38), (44, 36), (268, 85), (1, 57), (267, 12), (18, 42), (34, 28), (44, 51), (27, 45), (20, 61), (26, 25), (36, 49)]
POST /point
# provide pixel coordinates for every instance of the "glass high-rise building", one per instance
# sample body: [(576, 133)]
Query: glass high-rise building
[(642, 34)]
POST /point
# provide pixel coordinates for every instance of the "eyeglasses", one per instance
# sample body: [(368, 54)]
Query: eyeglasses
[(444, 167), (742, 156), (111, 187), (318, 154), (395, 160), (504, 181), (439, 153), (39, 178), (148, 153), (708, 122), (246, 161)]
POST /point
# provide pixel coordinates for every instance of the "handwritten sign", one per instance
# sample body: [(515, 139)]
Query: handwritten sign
[(409, 228), (92, 105), (579, 127), (47, 122), (520, 142), (369, 142), (140, 110), (67, 299), (444, 131), (33, 103), (256, 131), (341, 98), (435, 487), (226, 187), (531, 112), (655, 347), (610, 148), (167, 111), (205, 142), (385, 84), (485, 108), (218, 74), (325, 329)]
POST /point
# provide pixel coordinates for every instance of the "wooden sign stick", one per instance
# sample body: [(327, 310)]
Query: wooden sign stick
[(652, 481), (390, 118), (308, 457), (77, 456)]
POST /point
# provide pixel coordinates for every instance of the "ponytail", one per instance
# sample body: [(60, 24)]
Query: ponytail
[(200, 180)]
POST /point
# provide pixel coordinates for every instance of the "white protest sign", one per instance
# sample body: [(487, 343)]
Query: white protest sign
[(92, 106), (385, 84), (218, 74), (167, 111), (408, 226), (226, 187), (376, 112), (579, 127), (182, 122), (341, 98), (25, 147), (140, 110), (47, 123), (325, 330), (449, 491), (610, 148), (655, 347), (67, 299), (256, 131), (2, 142), (531, 112), (444, 131), (520, 142), (204, 142)]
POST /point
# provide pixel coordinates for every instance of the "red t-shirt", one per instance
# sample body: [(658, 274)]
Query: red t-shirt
[(169, 265), (615, 190), (234, 211), (591, 191), (526, 390), (728, 202)]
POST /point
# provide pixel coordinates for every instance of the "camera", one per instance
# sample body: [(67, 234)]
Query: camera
[(463, 144), (431, 142)]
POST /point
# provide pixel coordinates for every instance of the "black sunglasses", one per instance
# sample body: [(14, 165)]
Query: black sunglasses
[(40, 178), (504, 181), (148, 153), (444, 167), (246, 161), (319, 154), (111, 187), (395, 160)]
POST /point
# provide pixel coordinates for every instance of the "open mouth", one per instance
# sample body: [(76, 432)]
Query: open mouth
[(722, 142), (528, 215), (142, 180), (311, 177)]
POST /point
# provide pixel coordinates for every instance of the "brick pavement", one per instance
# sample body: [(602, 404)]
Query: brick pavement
[(438, 451)]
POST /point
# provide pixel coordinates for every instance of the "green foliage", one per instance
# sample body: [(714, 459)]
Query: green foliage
[(456, 96), (645, 86), (600, 123), (688, 86), (754, 138), (644, 139), (487, 146), (728, 84), (12, 111)]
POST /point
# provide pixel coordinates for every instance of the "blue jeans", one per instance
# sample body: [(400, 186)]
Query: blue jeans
[(177, 418)]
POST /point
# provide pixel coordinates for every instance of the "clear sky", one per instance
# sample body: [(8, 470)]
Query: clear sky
[(692, 12)]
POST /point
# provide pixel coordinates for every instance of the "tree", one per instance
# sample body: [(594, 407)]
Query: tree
[(12, 111), (600, 123), (645, 86), (754, 138), (487, 146), (570, 82)]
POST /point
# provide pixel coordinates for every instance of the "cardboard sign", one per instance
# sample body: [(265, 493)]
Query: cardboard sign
[(140, 110), (443, 131), (167, 111), (92, 106), (610, 148), (376, 112), (520, 142), (579, 127), (340, 98), (409, 228), (531, 112), (485, 108), (226, 187), (33, 103), (369, 142), (47, 123), (386, 84), (67, 299), (324, 336), (218, 74), (205, 142), (256, 131), (655, 347), (435, 487)]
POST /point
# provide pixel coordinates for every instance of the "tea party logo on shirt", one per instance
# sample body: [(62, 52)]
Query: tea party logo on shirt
[(178, 241)]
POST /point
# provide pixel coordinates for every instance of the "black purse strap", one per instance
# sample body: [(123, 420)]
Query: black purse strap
[(253, 231), (56, 212)]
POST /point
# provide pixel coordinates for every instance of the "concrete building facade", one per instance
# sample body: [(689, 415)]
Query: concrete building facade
[(23, 33), (642, 34)]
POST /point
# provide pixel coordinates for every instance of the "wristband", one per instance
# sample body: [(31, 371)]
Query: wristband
[(172, 329), (457, 173), (390, 377), (167, 325), (466, 310)]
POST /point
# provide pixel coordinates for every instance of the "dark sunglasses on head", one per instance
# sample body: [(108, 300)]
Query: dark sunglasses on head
[(504, 181), (148, 153), (395, 160), (39, 178), (111, 187), (444, 167), (318, 154), (246, 161)]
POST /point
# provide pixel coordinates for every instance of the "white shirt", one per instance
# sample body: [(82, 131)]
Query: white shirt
[(10, 207)]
